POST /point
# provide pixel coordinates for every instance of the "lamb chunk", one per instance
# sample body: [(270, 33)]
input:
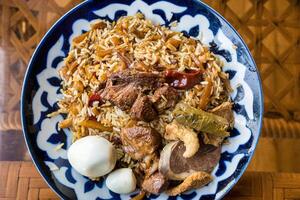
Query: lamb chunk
[(144, 80), (212, 139), (155, 184), (123, 96), (122, 88), (164, 98), (110, 91), (224, 110), (140, 141), (142, 109)]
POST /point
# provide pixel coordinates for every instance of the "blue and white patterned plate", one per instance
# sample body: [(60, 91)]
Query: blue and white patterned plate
[(41, 91)]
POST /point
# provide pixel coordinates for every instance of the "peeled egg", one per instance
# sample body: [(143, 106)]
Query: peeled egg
[(92, 156), (121, 181)]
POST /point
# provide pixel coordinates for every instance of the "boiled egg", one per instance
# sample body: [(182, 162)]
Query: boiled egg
[(121, 181), (92, 156)]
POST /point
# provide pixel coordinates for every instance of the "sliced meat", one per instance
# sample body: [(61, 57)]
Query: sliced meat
[(164, 98), (142, 109), (123, 96), (204, 160), (155, 184), (224, 110), (140, 141), (145, 80), (175, 167)]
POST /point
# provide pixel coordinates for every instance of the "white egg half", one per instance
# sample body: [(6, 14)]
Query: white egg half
[(92, 156), (121, 181)]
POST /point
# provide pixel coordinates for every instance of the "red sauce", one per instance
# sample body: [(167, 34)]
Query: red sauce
[(95, 97), (184, 80)]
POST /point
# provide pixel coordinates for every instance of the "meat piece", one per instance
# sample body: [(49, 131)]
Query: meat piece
[(212, 139), (123, 88), (164, 98), (175, 131), (140, 141), (142, 109), (123, 96), (195, 180), (224, 110), (174, 166), (144, 80), (155, 184)]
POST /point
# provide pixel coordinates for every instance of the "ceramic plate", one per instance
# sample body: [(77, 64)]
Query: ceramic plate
[(42, 83)]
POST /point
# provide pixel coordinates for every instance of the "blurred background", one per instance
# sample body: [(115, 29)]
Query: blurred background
[(271, 28)]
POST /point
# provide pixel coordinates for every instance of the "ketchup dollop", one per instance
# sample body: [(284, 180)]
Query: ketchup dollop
[(95, 97), (183, 80)]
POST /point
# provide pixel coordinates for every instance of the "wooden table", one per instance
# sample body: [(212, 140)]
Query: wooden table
[(20, 180), (271, 28)]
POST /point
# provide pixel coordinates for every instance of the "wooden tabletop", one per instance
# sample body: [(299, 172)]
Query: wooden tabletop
[(20, 180), (271, 29)]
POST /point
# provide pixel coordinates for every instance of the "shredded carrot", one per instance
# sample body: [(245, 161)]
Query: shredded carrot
[(205, 98), (80, 38), (95, 125)]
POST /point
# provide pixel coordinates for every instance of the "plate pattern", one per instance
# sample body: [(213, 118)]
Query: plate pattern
[(201, 23)]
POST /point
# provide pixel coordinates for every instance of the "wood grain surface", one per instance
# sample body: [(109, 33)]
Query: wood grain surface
[(20, 180)]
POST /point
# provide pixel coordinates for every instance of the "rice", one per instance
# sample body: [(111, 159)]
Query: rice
[(94, 56)]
